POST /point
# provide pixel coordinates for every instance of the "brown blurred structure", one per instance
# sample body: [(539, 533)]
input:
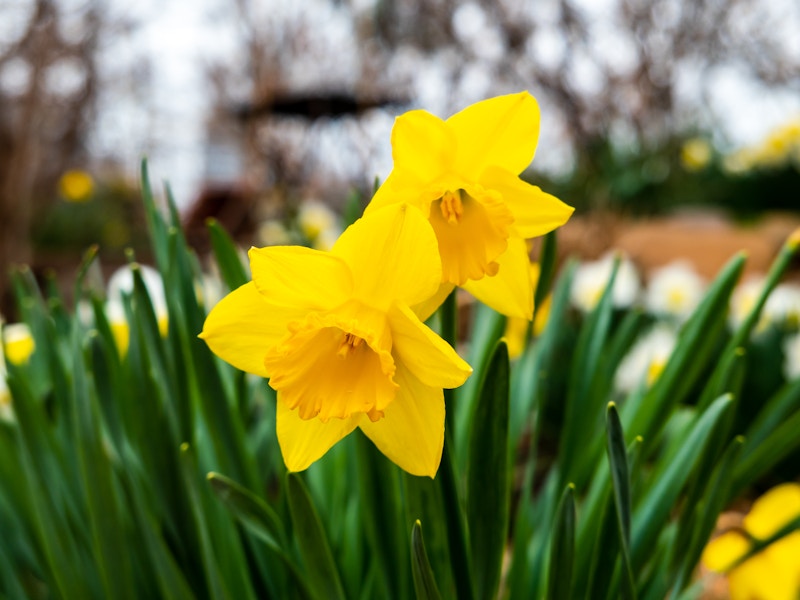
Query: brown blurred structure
[(43, 122), (707, 240)]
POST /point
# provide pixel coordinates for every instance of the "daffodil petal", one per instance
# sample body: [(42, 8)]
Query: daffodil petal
[(724, 550), (304, 441), (760, 577), (426, 308), (243, 325), (411, 433), (432, 360), (535, 212), (390, 192), (498, 131), (510, 291), (422, 147), (773, 510), (393, 255), (300, 277)]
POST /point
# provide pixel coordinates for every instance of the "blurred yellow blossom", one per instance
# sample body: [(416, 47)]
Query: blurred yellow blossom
[(319, 224), (274, 233), (76, 186), (696, 154), (18, 344), (773, 573), (463, 174), (516, 333), (335, 335), (780, 147)]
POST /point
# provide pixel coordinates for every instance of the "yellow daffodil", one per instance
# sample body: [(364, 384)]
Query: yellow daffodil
[(463, 174), (696, 154), (76, 186), (334, 333), (18, 343), (773, 573)]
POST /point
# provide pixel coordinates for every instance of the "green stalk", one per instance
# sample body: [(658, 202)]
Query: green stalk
[(448, 479)]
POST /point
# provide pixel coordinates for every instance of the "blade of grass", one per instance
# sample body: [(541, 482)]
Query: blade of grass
[(562, 548), (424, 582), (323, 576), (489, 477)]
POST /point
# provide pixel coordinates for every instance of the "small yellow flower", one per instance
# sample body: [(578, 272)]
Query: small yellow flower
[(773, 573), (696, 154), (76, 186), (18, 344), (334, 333), (319, 224), (516, 333), (463, 174)]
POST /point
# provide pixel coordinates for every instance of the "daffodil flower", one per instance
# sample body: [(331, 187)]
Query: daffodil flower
[(775, 571), (334, 334), (463, 174)]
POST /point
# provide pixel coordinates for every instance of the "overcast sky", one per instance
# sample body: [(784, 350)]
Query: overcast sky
[(166, 120)]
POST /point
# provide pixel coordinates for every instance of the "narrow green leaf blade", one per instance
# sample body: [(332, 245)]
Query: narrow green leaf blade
[(488, 476), (230, 264), (562, 548), (621, 483), (313, 542), (655, 506), (249, 509), (424, 582)]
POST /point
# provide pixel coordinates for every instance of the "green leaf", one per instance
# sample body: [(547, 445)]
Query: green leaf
[(562, 548), (381, 515), (487, 328), (547, 268), (488, 476), (104, 509), (216, 585), (620, 478), (155, 222), (171, 580), (323, 576), (424, 582), (654, 509), (250, 510), (259, 519), (696, 343), (227, 256), (584, 407), (714, 497), (778, 445)]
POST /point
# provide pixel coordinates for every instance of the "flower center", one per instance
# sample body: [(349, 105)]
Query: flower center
[(348, 345), (472, 229), (335, 366), (451, 207)]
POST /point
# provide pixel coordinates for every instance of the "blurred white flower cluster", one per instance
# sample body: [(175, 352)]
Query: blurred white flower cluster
[(781, 311)]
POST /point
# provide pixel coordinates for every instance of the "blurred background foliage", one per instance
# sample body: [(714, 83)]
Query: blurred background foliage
[(647, 106)]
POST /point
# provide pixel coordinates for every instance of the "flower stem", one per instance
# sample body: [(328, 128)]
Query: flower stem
[(448, 477), (456, 527)]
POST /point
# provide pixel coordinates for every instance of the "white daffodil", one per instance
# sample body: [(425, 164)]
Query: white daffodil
[(591, 279), (646, 359), (791, 353), (674, 291)]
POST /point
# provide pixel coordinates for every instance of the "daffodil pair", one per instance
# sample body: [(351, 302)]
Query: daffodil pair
[(340, 334)]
